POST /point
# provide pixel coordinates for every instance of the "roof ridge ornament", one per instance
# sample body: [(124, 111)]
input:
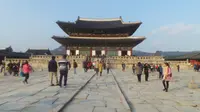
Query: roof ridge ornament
[(99, 19)]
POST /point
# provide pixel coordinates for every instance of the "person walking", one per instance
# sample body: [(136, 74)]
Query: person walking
[(10, 68), (100, 68), (167, 77), (146, 71), (108, 67), (75, 65), (26, 68), (15, 69), (138, 71), (64, 67), (160, 71), (133, 68), (52, 68)]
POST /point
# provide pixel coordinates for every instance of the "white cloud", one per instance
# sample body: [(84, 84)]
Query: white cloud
[(177, 29)]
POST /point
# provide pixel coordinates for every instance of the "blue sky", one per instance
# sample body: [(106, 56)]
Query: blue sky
[(170, 25)]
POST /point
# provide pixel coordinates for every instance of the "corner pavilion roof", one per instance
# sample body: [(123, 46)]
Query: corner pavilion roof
[(100, 41)]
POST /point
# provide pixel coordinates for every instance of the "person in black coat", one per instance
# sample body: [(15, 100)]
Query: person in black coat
[(146, 72), (52, 68)]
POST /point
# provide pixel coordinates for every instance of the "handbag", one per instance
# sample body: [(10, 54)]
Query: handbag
[(22, 74)]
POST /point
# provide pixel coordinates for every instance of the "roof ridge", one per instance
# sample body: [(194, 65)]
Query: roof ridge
[(100, 19)]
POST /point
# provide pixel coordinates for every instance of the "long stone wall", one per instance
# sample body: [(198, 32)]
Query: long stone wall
[(41, 61)]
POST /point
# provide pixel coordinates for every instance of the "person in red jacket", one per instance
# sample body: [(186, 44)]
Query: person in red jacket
[(26, 68)]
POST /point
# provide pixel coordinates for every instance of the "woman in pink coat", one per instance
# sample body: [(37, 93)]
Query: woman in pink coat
[(26, 68), (167, 76)]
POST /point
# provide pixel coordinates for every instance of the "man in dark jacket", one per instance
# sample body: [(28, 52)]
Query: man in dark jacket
[(52, 68), (75, 65), (146, 71)]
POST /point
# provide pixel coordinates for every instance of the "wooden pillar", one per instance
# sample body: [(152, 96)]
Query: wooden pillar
[(77, 51), (106, 50), (119, 52), (131, 51), (90, 51)]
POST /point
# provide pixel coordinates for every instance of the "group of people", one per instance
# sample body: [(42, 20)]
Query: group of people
[(165, 73), (99, 66), (18, 68)]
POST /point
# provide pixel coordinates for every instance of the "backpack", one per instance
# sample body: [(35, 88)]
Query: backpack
[(75, 65)]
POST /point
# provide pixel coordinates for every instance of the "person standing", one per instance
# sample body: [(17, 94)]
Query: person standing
[(146, 71), (138, 71), (97, 67), (160, 71), (100, 68), (123, 66), (75, 65), (64, 66), (26, 68), (167, 77), (52, 68), (178, 68)]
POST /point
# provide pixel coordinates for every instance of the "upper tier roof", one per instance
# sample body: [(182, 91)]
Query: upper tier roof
[(88, 41), (99, 26)]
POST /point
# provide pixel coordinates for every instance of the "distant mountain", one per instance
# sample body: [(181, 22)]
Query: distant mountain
[(58, 51), (141, 53), (61, 50)]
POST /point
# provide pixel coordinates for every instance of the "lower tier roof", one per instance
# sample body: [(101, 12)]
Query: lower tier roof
[(100, 41)]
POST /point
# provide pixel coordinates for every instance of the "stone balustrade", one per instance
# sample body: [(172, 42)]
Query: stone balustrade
[(41, 61)]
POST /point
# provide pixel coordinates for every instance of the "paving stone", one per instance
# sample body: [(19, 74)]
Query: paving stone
[(103, 109), (79, 108)]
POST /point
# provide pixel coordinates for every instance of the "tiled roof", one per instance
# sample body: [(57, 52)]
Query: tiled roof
[(39, 51)]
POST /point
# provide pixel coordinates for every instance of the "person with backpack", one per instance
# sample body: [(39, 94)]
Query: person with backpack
[(52, 68), (160, 71), (26, 68), (15, 69), (167, 77), (75, 65), (64, 67)]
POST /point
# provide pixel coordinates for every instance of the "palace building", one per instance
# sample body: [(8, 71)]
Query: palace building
[(96, 37)]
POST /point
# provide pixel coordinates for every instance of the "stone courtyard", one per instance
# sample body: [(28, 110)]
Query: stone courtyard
[(100, 94)]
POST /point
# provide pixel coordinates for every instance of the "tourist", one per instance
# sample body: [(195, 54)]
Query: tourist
[(93, 65), (10, 67), (138, 70), (97, 67), (26, 68), (75, 65), (146, 71), (133, 68), (64, 66), (160, 71), (178, 68), (100, 68), (52, 68), (15, 69), (123, 66), (85, 66), (108, 66), (167, 77)]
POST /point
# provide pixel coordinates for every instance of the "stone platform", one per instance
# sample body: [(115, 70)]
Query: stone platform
[(149, 95), (100, 95)]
